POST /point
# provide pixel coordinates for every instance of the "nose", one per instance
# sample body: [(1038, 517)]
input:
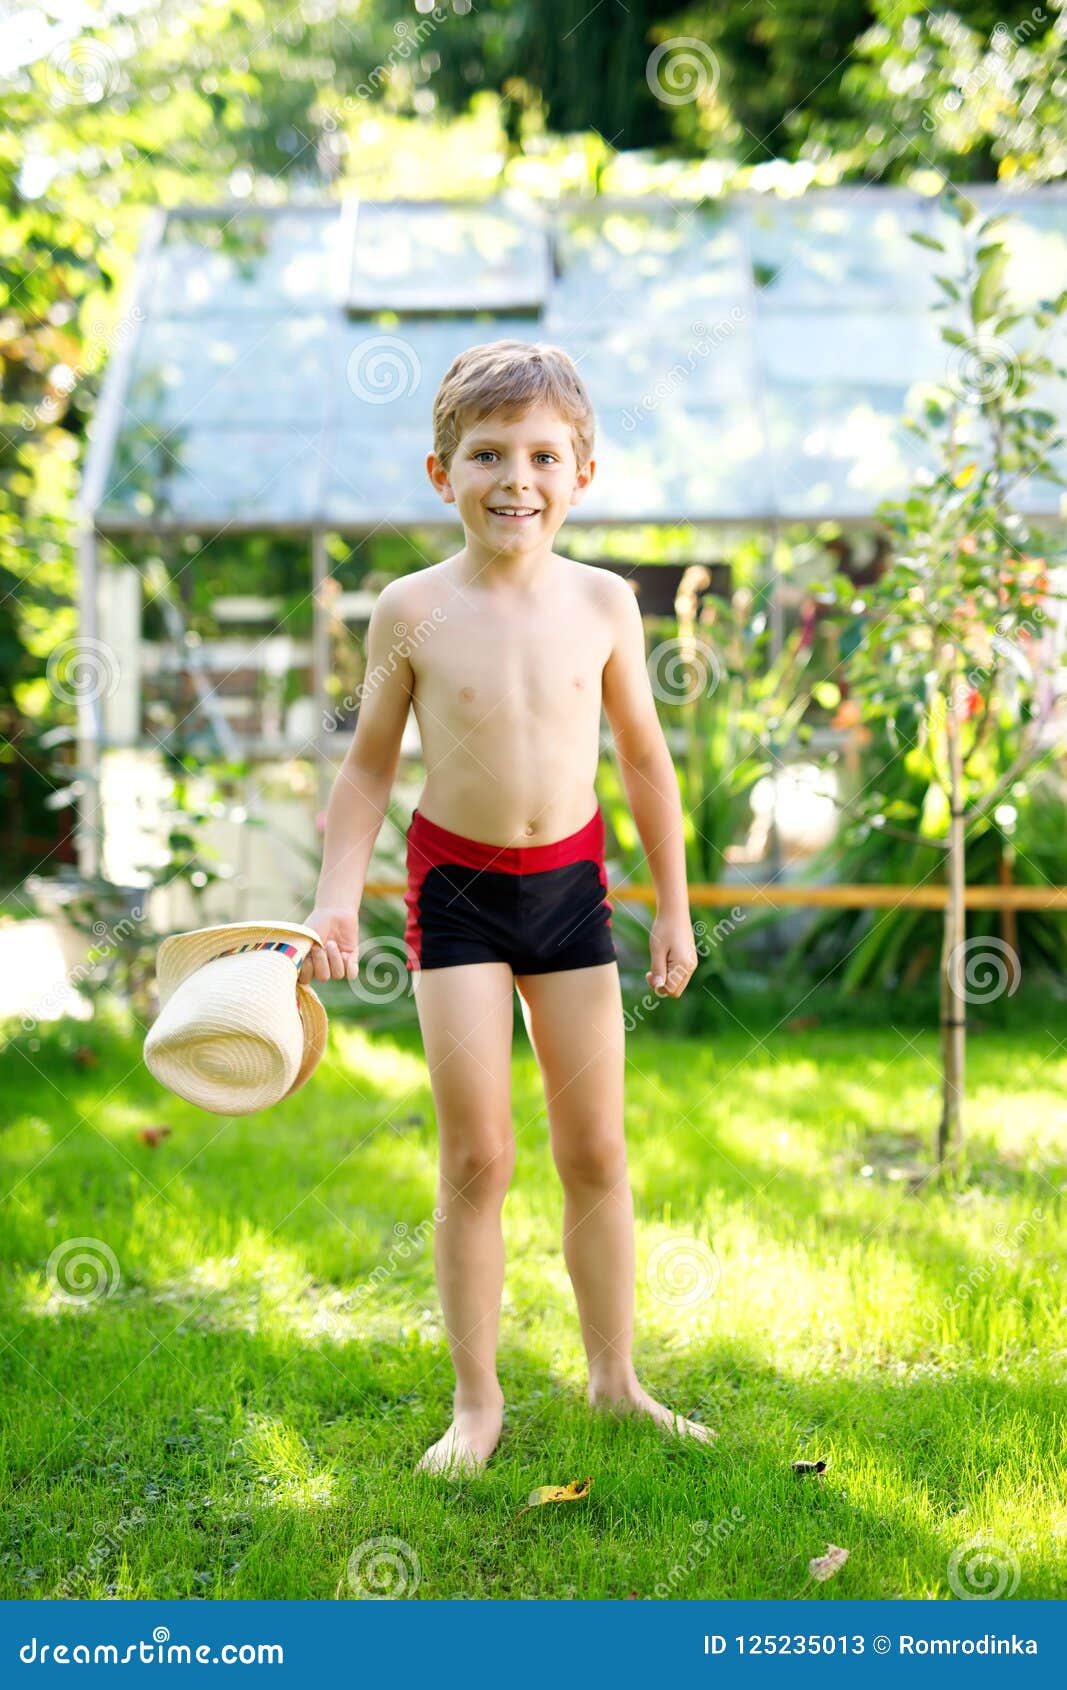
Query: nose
[(513, 481)]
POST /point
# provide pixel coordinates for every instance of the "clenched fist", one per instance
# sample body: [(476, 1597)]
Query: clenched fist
[(337, 958)]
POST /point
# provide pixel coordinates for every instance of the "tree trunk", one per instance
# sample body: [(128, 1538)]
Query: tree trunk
[(953, 957)]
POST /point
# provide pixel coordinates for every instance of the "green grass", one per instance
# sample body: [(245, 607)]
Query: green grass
[(241, 1413)]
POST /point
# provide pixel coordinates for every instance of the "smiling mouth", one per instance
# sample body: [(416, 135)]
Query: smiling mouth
[(514, 513)]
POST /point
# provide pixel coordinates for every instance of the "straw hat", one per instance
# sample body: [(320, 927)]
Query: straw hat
[(235, 1032)]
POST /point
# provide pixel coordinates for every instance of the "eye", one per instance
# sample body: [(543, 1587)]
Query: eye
[(549, 455), (484, 453)]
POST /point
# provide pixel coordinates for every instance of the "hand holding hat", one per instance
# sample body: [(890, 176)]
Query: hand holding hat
[(236, 1029), (336, 955)]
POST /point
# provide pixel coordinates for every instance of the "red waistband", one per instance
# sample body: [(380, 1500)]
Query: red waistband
[(438, 845)]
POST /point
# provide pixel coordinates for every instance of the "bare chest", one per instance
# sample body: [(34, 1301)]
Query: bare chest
[(482, 667)]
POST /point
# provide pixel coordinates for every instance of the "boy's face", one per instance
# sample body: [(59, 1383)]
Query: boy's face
[(525, 464)]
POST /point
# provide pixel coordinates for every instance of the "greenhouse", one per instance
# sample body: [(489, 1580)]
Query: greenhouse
[(751, 363)]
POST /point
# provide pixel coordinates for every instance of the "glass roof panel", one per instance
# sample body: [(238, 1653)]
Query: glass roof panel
[(232, 370), (842, 249), (447, 258), (215, 475), (746, 359), (385, 377), (837, 449), (249, 261), (887, 347)]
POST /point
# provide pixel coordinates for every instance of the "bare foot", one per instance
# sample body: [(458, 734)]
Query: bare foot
[(636, 1400), (468, 1443)]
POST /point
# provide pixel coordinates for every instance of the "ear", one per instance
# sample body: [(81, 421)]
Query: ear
[(439, 477), (583, 481)]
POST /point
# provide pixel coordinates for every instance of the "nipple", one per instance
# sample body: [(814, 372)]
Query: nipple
[(466, 692)]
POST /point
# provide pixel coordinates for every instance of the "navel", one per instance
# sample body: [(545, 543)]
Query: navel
[(466, 693)]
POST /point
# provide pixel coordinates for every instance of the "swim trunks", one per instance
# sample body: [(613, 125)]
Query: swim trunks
[(538, 907)]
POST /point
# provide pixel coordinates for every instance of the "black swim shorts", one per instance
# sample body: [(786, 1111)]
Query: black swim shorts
[(538, 907)]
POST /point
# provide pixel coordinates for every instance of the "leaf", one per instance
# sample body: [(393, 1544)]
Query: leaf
[(926, 240), (153, 1135), (825, 1566), (809, 1466), (572, 1492), (963, 477)]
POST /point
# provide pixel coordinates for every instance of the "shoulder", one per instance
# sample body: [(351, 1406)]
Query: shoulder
[(607, 592), (410, 598)]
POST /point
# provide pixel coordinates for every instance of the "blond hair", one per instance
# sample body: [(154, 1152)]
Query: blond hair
[(510, 376)]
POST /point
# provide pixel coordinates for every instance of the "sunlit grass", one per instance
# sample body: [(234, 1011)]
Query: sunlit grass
[(235, 1404)]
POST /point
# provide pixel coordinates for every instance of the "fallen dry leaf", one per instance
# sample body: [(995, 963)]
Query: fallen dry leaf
[(557, 1493), (825, 1566), (153, 1135), (85, 1056)]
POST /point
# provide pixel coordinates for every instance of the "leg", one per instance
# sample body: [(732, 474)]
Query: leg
[(465, 1014), (574, 1019)]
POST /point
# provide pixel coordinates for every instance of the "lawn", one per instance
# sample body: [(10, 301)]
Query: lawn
[(235, 1407)]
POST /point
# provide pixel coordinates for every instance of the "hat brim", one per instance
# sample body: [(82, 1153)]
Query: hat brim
[(313, 1017), (183, 953)]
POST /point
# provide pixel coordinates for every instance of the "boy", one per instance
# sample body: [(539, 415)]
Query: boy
[(507, 652)]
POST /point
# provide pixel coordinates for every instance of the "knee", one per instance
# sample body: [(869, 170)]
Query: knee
[(479, 1169), (593, 1158)]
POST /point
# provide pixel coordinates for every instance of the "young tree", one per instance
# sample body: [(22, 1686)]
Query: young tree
[(967, 596)]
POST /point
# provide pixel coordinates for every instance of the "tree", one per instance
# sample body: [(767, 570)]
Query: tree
[(965, 598)]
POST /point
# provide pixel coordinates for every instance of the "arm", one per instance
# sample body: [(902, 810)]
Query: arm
[(359, 799), (652, 788)]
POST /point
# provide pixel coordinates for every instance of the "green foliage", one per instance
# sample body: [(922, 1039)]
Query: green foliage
[(967, 593), (972, 92), (951, 626)]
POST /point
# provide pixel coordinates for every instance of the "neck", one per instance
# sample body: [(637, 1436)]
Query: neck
[(496, 570)]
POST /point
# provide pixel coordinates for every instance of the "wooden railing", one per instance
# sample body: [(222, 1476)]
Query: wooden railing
[(857, 897)]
